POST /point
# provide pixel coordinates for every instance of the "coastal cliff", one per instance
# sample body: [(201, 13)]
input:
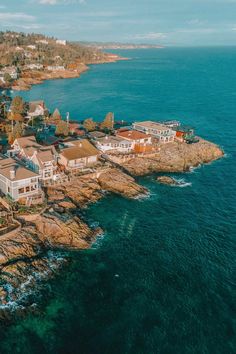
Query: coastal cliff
[(174, 157), (33, 254)]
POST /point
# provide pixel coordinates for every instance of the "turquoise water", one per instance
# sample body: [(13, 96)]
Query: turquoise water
[(162, 278)]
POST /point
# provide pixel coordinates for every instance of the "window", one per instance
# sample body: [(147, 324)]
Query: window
[(21, 190), (33, 188), (27, 189)]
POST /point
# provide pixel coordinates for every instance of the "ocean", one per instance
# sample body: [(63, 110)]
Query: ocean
[(162, 277)]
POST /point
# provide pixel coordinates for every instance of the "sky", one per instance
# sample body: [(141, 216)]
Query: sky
[(165, 22)]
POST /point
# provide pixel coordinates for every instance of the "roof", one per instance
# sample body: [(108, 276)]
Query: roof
[(28, 144), (21, 172), (27, 141), (34, 104), (45, 155), (132, 135), (109, 139), (97, 134), (152, 125), (183, 128), (82, 148)]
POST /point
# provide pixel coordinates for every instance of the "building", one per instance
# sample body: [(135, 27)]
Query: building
[(41, 159), (61, 41), (10, 70), (140, 141), (184, 133), (36, 109), (78, 154), (33, 66), (161, 132), (111, 143), (17, 181), (55, 68), (96, 134)]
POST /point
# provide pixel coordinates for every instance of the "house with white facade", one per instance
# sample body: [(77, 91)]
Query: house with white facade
[(17, 181), (111, 143), (163, 133), (41, 159), (79, 154), (61, 41), (55, 68), (36, 109)]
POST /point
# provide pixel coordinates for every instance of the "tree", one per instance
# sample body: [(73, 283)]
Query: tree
[(89, 124), (62, 128), (108, 122), (7, 78), (18, 106), (16, 132)]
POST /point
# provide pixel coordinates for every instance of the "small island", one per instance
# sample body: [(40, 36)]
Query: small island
[(52, 167)]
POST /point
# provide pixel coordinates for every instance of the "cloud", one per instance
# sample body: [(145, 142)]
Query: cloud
[(151, 35), (48, 2), (14, 16), (63, 2)]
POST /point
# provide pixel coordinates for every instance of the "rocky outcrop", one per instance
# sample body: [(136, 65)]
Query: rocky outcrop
[(175, 157), (85, 190), (118, 182), (34, 77), (24, 258), (167, 180), (25, 261)]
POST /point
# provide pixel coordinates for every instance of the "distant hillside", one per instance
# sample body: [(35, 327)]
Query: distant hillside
[(115, 45), (21, 49)]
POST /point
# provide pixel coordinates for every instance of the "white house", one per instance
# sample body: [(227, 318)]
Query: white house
[(160, 131), (55, 68), (111, 143), (41, 159), (33, 66), (17, 181), (36, 109), (81, 154), (11, 70), (61, 41)]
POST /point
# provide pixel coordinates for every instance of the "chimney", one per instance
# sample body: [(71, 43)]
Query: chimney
[(80, 145), (106, 137), (12, 173)]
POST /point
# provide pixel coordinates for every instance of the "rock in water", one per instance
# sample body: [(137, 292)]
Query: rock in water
[(168, 180)]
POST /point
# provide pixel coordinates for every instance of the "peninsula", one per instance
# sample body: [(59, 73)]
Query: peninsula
[(51, 168), (33, 58)]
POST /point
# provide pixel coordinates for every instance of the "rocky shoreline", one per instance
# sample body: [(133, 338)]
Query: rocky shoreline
[(174, 157), (24, 260), (36, 77)]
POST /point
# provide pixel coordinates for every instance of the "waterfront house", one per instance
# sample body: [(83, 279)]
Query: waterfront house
[(37, 109), (184, 133), (111, 143), (41, 159), (55, 68), (78, 155), (17, 181), (140, 141), (161, 132)]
